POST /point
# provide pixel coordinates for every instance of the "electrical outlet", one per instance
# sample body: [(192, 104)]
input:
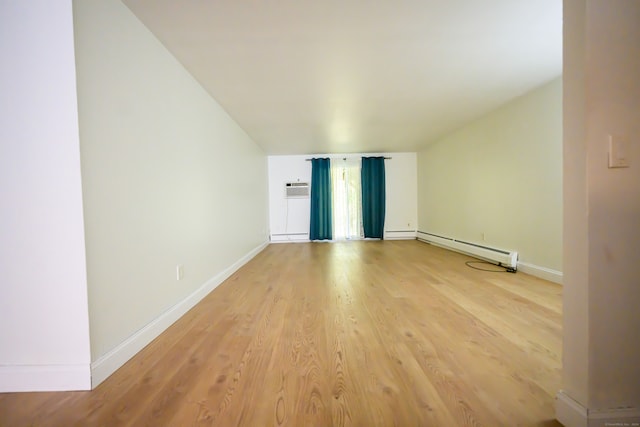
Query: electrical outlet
[(179, 272), (482, 236)]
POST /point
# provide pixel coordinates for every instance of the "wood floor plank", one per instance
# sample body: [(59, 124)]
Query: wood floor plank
[(393, 333)]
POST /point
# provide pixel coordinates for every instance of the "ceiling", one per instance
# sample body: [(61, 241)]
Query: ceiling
[(346, 76)]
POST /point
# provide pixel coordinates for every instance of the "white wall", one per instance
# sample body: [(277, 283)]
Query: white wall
[(498, 181), (168, 178), (601, 374), (614, 203), (44, 329), (289, 218)]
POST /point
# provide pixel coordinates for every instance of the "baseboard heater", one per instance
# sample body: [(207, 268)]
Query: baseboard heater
[(504, 258)]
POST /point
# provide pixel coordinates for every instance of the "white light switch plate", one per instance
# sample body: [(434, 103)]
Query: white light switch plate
[(618, 152)]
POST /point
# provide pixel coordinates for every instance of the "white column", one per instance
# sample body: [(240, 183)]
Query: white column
[(44, 323), (601, 349)]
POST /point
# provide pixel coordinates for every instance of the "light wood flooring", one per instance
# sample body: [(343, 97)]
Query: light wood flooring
[(393, 333)]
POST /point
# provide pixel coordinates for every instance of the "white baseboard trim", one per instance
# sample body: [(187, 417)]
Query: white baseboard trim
[(569, 412), (27, 378), (106, 365), (288, 238), (572, 414), (400, 235), (541, 272), (304, 237)]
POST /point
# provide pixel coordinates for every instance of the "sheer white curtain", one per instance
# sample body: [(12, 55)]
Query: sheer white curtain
[(347, 193)]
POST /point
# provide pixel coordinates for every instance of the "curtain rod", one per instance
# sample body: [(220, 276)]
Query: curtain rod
[(344, 158)]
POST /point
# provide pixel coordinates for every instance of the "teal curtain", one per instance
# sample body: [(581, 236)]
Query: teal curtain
[(373, 197), (321, 216)]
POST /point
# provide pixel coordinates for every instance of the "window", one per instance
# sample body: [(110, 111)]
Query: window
[(347, 204)]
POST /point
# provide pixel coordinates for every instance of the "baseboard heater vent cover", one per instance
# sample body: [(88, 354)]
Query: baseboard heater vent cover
[(505, 258)]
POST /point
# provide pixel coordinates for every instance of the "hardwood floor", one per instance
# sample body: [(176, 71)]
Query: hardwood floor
[(393, 333)]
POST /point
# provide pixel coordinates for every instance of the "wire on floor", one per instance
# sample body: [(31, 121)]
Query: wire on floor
[(502, 268)]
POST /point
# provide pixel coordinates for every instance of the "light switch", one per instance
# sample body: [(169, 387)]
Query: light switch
[(618, 152)]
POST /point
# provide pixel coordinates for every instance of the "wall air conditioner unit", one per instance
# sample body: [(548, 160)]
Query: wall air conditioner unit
[(296, 190)]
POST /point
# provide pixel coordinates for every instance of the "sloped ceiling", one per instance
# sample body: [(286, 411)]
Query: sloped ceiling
[(344, 76)]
